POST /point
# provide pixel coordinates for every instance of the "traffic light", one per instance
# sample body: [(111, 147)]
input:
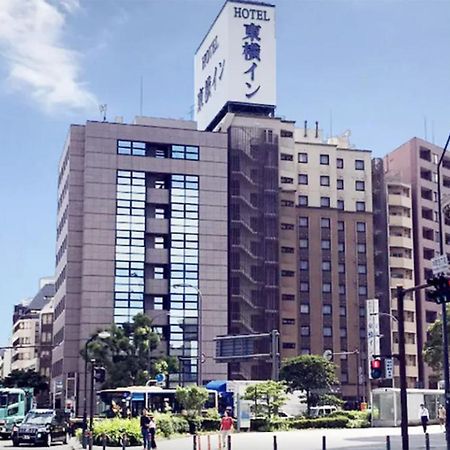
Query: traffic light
[(99, 374), (375, 368), (441, 293)]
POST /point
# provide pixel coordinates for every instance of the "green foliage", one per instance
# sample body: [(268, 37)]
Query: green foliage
[(357, 419), (308, 373), (321, 422), (127, 352), (432, 349), (26, 378), (192, 399), (267, 398), (330, 399)]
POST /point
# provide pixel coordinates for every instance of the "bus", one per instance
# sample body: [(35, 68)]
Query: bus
[(130, 401)]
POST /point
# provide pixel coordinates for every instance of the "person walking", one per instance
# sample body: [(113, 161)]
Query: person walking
[(145, 429), (152, 429), (424, 417), (442, 415), (226, 427)]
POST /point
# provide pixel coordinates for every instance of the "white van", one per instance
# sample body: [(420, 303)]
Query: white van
[(322, 411)]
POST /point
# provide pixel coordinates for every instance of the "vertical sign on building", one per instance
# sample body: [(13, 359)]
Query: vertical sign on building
[(373, 330), (236, 61)]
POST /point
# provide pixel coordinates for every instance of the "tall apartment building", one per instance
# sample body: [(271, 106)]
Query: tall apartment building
[(326, 252), (394, 265), (142, 209), (46, 339), (26, 328), (415, 164)]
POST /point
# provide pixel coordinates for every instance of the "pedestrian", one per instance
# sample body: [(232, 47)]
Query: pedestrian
[(226, 427), (152, 429), (145, 429), (424, 416), (442, 415)]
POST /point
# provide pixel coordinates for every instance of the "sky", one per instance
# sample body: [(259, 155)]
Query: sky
[(377, 67)]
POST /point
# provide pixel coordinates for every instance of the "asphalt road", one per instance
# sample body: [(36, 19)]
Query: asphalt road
[(8, 445)]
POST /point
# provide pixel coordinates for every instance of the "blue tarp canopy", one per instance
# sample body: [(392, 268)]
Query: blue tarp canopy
[(217, 385)]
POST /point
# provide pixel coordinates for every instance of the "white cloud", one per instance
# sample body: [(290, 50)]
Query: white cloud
[(38, 63)]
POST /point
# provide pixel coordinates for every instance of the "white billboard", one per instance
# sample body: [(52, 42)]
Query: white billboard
[(373, 329), (236, 60)]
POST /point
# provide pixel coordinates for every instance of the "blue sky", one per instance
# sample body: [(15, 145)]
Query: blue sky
[(377, 67)]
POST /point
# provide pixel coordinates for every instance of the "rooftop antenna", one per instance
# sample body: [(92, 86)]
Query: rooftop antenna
[(425, 128), (141, 97), (102, 109)]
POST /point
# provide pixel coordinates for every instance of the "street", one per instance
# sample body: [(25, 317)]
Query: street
[(371, 439)]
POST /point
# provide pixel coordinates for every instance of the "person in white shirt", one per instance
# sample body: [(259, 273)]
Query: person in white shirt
[(424, 417)]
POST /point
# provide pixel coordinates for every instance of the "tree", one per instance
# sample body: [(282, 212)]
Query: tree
[(308, 373), (432, 349), (26, 378), (127, 353), (192, 399), (267, 397)]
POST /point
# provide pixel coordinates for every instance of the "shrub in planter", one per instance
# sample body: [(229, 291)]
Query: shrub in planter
[(321, 422)]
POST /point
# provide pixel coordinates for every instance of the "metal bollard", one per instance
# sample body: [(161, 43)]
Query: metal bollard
[(104, 441), (324, 443), (194, 440), (427, 441), (85, 439), (91, 439), (275, 443), (388, 443), (229, 442)]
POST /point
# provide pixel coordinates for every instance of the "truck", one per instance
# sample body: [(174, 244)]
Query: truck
[(14, 405)]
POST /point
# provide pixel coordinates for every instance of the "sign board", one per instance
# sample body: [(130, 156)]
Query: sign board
[(244, 413), (236, 60), (160, 378), (389, 368), (241, 347), (373, 330), (439, 264)]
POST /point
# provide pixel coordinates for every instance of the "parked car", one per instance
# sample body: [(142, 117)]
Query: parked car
[(321, 411), (42, 426)]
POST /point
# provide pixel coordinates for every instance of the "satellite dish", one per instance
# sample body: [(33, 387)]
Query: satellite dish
[(328, 355)]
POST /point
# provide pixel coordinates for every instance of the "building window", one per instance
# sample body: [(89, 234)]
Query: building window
[(324, 180), (362, 269), (286, 157), (184, 152), (304, 308), (289, 345), (288, 321), (287, 180), (304, 264), (341, 268), (288, 203), (303, 243), (287, 249), (324, 160), (303, 222), (326, 266), (303, 157), (341, 247), (305, 351), (326, 310), (327, 331), (287, 273), (341, 225), (359, 185), (325, 202), (361, 248), (326, 287), (287, 226), (302, 178), (339, 163), (304, 330), (342, 289), (131, 148), (288, 297), (304, 286), (359, 164), (303, 200), (325, 222), (325, 244), (340, 184), (343, 332), (340, 204), (362, 290), (361, 227), (342, 311), (360, 206)]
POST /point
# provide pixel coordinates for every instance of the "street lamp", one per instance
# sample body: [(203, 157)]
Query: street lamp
[(100, 335), (199, 328)]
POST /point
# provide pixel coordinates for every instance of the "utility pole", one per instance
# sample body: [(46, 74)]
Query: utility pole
[(402, 366), (275, 353), (444, 304)]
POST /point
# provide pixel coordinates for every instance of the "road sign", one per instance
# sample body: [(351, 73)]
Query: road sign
[(389, 368), (160, 378), (439, 264), (328, 354)]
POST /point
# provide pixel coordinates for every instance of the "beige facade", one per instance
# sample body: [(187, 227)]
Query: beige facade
[(401, 269), (25, 333)]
